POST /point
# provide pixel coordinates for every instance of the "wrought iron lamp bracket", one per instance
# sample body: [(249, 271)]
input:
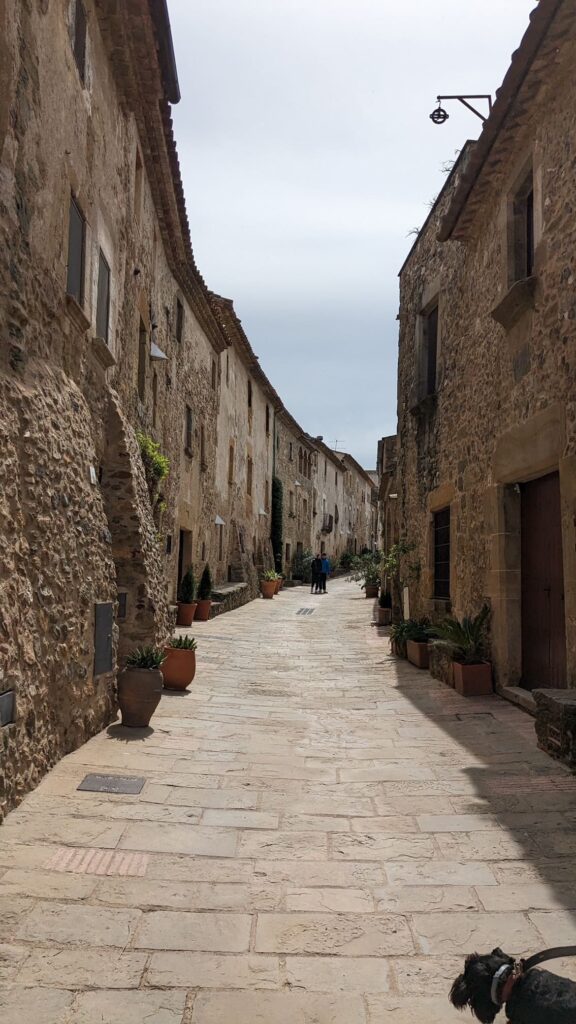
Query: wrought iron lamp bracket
[(439, 115)]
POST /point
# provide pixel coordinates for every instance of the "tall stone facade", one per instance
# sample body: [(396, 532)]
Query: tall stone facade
[(110, 340), (487, 424), (295, 469)]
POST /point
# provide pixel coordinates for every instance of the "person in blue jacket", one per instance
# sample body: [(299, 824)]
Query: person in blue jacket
[(326, 569)]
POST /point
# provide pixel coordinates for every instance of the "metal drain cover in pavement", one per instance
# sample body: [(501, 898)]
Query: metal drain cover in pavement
[(305, 611), (89, 861), (129, 784)]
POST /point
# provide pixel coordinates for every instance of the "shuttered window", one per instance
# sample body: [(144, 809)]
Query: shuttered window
[(76, 246), (431, 329), (103, 301), (442, 554), (80, 39)]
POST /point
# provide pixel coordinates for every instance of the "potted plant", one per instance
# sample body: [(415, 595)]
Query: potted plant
[(366, 568), (278, 583), (179, 665), (465, 642), (140, 686), (398, 637), (186, 602), (417, 637), (204, 596), (268, 584), (384, 608)]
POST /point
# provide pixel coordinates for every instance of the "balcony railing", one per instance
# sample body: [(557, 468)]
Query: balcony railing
[(327, 523)]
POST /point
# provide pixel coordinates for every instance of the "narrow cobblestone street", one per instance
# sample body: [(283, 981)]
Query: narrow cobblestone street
[(322, 834)]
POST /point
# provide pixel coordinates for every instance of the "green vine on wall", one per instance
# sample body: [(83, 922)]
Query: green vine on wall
[(276, 532), (156, 469)]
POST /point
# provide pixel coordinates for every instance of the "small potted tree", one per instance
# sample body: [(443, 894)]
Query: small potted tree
[(204, 596), (365, 570), (417, 638), (140, 686), (465, 642), (186, 602), (179, 665), (268, 584), (384, 608)]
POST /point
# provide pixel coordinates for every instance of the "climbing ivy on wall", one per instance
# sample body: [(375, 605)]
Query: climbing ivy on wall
[(156, 469), (276, 533)]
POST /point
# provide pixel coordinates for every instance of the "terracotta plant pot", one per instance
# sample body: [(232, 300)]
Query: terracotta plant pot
[(139, 692), (384, 616), (371, 590), (417, 653), (398, 649), (278, 585), (185, 616), (268, 588), (202, 611), (472, 680), (178, 668)]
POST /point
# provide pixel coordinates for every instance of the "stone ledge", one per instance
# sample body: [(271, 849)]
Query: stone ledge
[(102, 353), (76, 313), (517, 300), (517, 695)]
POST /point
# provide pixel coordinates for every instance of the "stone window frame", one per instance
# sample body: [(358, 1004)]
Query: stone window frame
[(431, 301), (103, 297), (78, 295), (520, 225), (441, 498)]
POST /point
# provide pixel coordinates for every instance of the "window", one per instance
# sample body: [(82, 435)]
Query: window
[(249, 394), (249, 477), (168, 543), (103, 300), (203, 459), (267, 496), (231, 464), (267, 419), (325, 468), (203, 550), (336, 514), (522, 234), (299, 460), (287, 555), (305, 508), (291, 503), (154, 399), (76, 247), (442, 554), (189, 431), (220, 543), (430, 326), (142, 360), (179, 320), (227, 369), (139, 174), (214, 375), (290, 452), (336, 477), (80, 39)]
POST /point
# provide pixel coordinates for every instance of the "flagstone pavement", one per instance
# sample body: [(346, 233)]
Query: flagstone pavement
[(323, 833)]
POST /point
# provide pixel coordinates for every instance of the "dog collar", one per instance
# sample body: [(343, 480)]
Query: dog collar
[(494, 990)]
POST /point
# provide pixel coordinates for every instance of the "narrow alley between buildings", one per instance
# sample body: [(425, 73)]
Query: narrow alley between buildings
[(322, 833)]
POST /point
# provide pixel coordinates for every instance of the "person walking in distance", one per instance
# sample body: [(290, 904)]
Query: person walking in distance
[(316, 578), (325, 572)]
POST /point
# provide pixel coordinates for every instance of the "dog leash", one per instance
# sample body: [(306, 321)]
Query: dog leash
[(555, 953)]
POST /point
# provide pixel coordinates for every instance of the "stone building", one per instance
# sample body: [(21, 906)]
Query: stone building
[(330, 535), (386, 462), (487, 410), (112, 344), (360, 505), (295, 469)]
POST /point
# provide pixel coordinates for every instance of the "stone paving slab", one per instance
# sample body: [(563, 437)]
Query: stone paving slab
[(323, 833)]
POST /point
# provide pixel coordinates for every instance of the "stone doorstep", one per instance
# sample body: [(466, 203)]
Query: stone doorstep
[(518, 696)]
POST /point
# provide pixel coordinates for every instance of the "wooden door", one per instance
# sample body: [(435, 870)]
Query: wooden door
[(543, 625)]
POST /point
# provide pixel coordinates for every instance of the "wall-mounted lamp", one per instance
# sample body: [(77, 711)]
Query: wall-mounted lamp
[(439, 115)]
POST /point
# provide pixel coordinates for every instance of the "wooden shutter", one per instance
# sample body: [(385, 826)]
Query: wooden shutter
[(76, 241), (103, 301)]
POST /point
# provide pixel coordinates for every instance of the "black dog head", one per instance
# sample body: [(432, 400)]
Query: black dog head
[(472, 988)]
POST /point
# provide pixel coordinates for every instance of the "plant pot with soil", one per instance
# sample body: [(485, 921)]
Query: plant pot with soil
[(384, 610), (466, 642), (268, 584), (140, 686), (186, 602), (417, 639), (179, 665), (204, 596), (398, 638)]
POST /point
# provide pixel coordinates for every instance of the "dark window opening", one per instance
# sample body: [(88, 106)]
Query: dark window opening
[(179, 320), (76, 247), (231, 464), (168, 543), (154, 400), (142, 360), (138, 186), (214, 375), (431, 349), (249, 477), (227, 369), (267, 419), (189, 431), (203, 459), (103, 300), (122, 605), (220, 543), (80, 39), (249, 394), (290, 452), (442, 554), (522, 262)]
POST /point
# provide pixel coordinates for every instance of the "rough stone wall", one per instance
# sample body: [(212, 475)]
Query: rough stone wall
[(501, 394)]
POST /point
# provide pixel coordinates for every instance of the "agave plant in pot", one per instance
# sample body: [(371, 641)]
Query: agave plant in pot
[(204, 596), (179, 665), (140, 686), (186, 602), (398, 638), (268, 583), (465, 641), (384, 608), (417, 639)]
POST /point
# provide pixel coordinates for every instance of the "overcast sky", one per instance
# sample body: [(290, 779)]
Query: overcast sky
[(308, 156)]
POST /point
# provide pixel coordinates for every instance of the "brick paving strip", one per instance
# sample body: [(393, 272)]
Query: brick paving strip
[(322, 834)]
